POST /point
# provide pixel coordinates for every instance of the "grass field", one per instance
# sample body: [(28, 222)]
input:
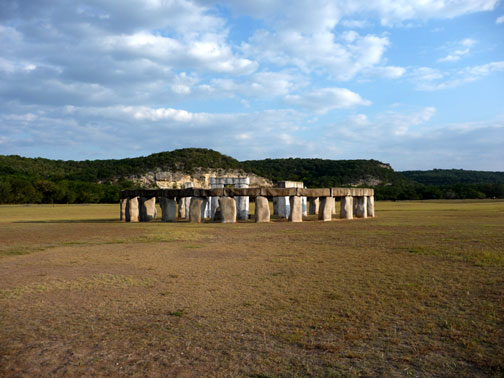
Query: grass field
[(417, 291)]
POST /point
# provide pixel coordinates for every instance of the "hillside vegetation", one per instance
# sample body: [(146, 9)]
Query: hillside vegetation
[(38, 180)]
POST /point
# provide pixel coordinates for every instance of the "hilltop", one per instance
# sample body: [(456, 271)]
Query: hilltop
[(39, 180)]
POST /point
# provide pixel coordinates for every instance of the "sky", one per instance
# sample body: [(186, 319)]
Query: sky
[(418, 84)]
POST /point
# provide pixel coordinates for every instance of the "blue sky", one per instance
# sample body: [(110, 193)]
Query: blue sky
[(418, 84)]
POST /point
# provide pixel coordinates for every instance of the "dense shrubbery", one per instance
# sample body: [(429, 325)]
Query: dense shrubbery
[(25, 180)]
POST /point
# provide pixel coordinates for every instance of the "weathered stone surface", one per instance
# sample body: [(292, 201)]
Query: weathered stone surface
[(181, 207), (283, 207), (360, 210), (304, 206), (333, 205), (346, 207), (321, 192), (262, 210), (168, 209), (296, 209), (205, 208), (132, 210), (147, 209), (195, 210), (227, 209), (313, 205), (370, 206), (242, 207), (278, 192), (233, 192), (122, 204), (325, 209)]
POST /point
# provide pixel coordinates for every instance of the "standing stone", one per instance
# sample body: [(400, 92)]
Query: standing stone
[(181, 207), (227, 209), (361, 209), (346, 207), (132, 210), (325, 209), (205, 208), (168, 209), (147, 209), (262, 210), (283, 207), (370, 206), (304, 206), (195, 210), (123, 204), (296, 209), (313, 207), (333, 204)]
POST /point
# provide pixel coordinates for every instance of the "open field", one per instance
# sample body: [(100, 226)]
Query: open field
[(417, 291)]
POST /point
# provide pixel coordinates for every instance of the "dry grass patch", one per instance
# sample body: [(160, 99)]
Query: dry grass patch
[(417, 291)]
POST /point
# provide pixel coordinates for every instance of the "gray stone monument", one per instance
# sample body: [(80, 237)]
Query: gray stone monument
[(346, 207), (296, 213), (195, 209), (360, 211), (262, 210), (132, 210), (168, 209), (227, 209), (313, 206), (325, 209)]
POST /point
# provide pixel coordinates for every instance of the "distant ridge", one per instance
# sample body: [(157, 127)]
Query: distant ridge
[(454, 176), (39, 180)]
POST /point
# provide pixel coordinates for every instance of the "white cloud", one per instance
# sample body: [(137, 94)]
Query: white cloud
[(429, 79), (326, 99), (462, 48), (341, 56), (499, 20)]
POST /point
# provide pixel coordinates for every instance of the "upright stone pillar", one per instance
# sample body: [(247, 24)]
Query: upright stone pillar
[(333, 205), (205, 208), (283, 205), (188, 199), (313, 207), (195, 210), (181, 207), (123, 202), (147, 209), (168, 209), (361, 208), (227, 209), (325, 209), (296, 214), (370, 206), (346, 207), (304, 206), (242, 202), (132, 210), (262, 210)]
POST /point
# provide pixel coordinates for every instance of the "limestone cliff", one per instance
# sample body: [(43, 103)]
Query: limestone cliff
[(200, 178)]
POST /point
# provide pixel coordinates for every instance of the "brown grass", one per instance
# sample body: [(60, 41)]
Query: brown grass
[(418, 291)]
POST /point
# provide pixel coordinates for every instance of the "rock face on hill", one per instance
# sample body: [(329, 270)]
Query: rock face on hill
[(200, 178)]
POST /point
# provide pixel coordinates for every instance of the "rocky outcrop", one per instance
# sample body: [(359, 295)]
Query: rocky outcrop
[(200, 178)]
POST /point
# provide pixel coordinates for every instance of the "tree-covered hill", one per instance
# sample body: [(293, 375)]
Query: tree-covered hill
[(454, 176), (27, 180), (320, 173), (185, 160)]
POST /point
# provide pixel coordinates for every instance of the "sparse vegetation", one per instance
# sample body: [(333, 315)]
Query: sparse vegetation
[(417, 291)]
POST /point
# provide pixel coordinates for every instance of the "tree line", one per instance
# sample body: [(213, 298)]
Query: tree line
[(26, 180)]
